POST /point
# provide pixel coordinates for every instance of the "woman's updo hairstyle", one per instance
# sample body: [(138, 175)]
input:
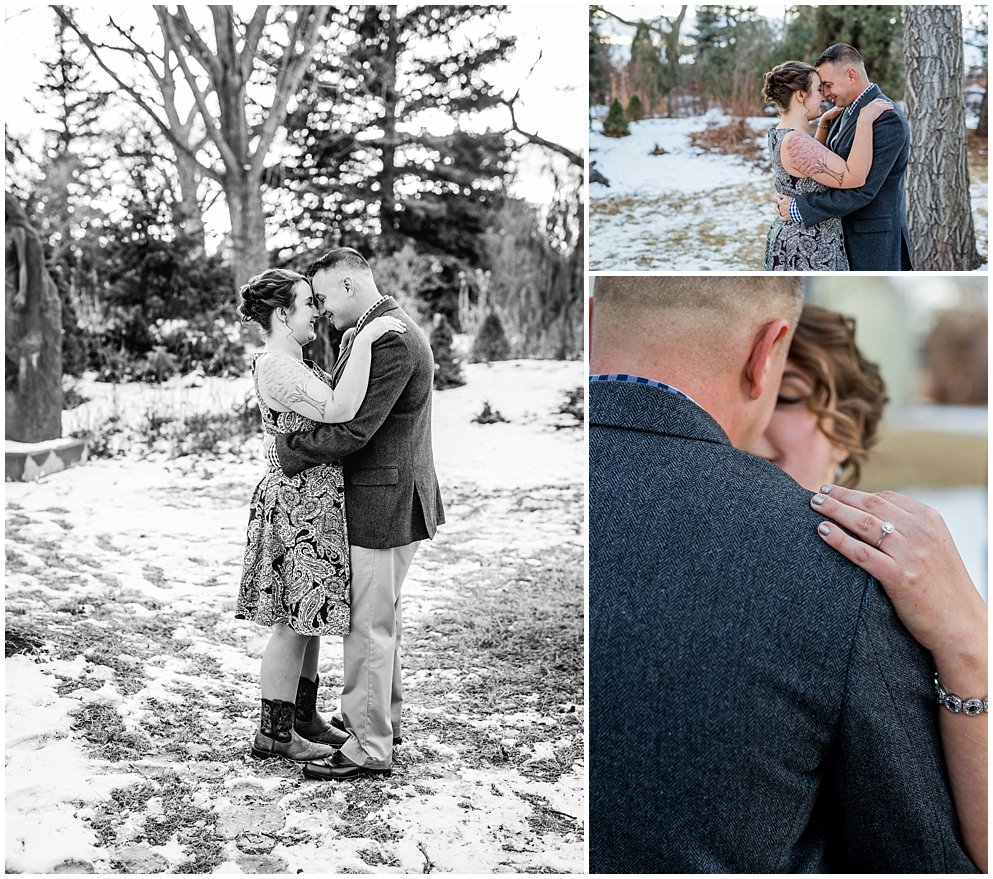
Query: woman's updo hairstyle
[(848, 394), (266, 292), (785, 79)]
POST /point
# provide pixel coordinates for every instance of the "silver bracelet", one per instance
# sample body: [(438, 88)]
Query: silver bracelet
[(958, 705)]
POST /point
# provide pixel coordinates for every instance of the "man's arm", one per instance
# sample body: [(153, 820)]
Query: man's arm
[(891, 810), (888, 141), (392, 367)]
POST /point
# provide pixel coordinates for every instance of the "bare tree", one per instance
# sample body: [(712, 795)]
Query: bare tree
[(237, 135), (939, 210), (668, 30)]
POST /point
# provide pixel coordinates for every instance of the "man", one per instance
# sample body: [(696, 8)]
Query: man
[(755, 704), (392, 502), (873, 216)]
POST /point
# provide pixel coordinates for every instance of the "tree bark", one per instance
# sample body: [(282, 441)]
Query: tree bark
[(388, 205), (939, 208)]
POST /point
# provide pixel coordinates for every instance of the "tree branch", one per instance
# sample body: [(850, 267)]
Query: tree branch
[(210, 123), (136, 96), (292, 68)]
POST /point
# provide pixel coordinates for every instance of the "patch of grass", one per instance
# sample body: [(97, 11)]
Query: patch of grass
[(544, 819), (194, 826), (102, 727), (377, 858), (19, 638)]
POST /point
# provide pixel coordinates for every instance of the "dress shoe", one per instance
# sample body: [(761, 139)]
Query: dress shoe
[(338, 767), (339, 724)]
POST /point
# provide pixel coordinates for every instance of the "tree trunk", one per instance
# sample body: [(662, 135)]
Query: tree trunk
[(388, 205), (249, 256), (187, 214), (939, 209), (982, 129)]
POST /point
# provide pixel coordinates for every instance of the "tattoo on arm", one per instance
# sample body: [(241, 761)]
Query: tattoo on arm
[(298, 394), (286, 382), (810, 158)]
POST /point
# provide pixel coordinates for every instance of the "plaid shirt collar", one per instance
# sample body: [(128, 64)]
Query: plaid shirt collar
[(641, 380), (362, 320), (854, 104)]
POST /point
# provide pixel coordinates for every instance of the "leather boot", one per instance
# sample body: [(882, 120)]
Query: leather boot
[(277, 738), (308, 722)]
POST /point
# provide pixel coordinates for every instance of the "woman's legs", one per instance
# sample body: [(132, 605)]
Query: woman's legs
[(310, 658), (282, 663)]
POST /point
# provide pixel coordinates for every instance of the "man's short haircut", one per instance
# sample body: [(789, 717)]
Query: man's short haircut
[(728, 297), (339, 258), (841, 55)]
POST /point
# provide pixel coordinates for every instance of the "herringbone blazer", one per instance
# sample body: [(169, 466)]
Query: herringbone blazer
[(755, 705), (874, 216), (392, 496)]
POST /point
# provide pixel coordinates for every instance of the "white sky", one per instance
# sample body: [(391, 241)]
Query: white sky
[(553, 99)]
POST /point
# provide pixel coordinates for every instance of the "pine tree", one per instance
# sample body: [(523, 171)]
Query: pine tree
[(877, 33), (599, 61), (616, 123), (636, 109), (363, 168), (491, 341), (447, 368)]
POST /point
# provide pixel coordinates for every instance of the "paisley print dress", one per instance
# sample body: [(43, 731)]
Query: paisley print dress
[(792, 247), (296, 558)]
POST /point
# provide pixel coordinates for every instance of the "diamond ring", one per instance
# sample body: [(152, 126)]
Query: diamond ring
[(888, 528)]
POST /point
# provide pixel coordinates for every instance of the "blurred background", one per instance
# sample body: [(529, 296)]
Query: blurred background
[(929, 337)]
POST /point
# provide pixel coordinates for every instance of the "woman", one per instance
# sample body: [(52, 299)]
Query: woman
[(296, 574), (829, 408), (803, 164)]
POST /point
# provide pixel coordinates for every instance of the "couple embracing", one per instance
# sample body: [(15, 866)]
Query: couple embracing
[(334, 524), (787, 675), (840, 198)]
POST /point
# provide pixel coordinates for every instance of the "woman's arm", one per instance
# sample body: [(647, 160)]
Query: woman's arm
[(921, 571), (823, 126), (805, 156), (286, 382)]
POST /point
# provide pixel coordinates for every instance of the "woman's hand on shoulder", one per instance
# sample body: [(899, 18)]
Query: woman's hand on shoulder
[(830, 115), (908, 548), (380, 326), (874, 109)]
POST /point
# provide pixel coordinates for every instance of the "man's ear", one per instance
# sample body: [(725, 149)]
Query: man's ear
[(759, 367)]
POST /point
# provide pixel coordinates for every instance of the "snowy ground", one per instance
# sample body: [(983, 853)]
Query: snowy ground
[(132, 692), (689, 210)]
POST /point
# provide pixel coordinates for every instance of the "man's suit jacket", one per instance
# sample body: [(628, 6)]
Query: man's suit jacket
[(873, 216), (755, 705), (391, 489)]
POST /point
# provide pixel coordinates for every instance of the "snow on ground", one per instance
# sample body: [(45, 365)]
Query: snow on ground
[(689, 210), (686, 210), (132, 692)]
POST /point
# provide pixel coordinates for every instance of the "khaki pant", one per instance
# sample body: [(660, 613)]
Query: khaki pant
[(372, 696)]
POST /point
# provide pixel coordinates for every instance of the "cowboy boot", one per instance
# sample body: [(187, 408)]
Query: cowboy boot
[(277, 738), (308, 722)]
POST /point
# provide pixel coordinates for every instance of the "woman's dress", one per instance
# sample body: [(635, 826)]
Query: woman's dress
[(792, 247), (296, 560)]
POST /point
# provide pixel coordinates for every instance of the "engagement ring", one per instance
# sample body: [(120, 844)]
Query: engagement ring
[(888, 528)]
